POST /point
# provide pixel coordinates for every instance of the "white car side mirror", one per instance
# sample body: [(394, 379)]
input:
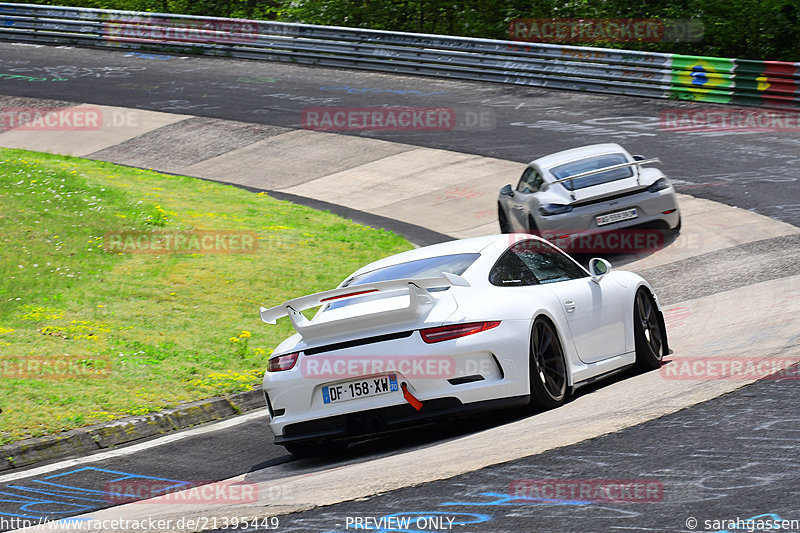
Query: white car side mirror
[(598, 268)]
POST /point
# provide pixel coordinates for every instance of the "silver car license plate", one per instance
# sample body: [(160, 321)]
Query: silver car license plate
[(619, 216)]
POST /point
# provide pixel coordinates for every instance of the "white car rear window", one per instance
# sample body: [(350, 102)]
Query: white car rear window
[(429, 267)]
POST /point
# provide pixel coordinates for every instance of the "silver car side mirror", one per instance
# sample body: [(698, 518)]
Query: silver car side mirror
[(507, 191), (598, 268)]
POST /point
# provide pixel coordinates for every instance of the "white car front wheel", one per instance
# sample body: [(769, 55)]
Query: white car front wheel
[(548, 369), (648, 333)]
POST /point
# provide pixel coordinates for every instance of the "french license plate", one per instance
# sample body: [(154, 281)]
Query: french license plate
[(619, 216), (359, 388)]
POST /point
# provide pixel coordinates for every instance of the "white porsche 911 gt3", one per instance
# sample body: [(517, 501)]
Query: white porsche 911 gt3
[(454, 328)]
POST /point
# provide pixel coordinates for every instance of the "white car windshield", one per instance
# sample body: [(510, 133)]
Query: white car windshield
[(592, 163)]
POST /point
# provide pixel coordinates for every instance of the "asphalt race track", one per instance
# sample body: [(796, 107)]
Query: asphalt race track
[(731, 457), (753, 170)]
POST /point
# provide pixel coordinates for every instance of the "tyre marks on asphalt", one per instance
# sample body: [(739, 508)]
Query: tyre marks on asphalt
[(291, 158), (729, 268), (187, 143)]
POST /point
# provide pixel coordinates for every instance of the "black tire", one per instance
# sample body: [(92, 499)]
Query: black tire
[(548, 369), (501, 217), (648, 332), (315, 449), (533, 229), (677, 229)]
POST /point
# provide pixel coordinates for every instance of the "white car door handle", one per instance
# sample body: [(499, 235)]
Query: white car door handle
[(569, 305), (519, 207)]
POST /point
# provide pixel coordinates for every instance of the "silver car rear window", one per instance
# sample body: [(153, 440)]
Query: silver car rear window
[(592, 163)]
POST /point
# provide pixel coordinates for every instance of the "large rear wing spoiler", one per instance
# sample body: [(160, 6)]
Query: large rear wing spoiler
[(601, 170), (419, 302)]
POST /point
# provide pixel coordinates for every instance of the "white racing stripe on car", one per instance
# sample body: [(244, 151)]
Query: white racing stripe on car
[(128, 450)]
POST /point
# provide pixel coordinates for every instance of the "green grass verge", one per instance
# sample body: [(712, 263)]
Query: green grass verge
[(158, 329)]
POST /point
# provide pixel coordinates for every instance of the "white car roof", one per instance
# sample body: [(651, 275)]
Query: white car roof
[(574, 154), (461, 246)]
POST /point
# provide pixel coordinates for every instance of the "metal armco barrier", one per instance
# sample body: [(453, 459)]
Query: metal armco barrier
[(625, 72)]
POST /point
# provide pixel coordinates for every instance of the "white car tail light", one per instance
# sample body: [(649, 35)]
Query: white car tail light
[(282, 362), (446, 333)]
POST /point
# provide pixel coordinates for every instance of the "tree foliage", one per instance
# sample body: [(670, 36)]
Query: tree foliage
[(750, 29)]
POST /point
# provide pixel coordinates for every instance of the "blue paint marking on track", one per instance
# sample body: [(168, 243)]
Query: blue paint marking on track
[(23, 504), (157, 57), (507, 499), (72, 492)]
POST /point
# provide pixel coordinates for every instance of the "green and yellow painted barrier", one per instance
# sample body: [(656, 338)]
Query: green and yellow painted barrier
[(735, 81)]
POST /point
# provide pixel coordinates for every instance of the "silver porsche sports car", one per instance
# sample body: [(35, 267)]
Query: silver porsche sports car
[(589, 190)]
